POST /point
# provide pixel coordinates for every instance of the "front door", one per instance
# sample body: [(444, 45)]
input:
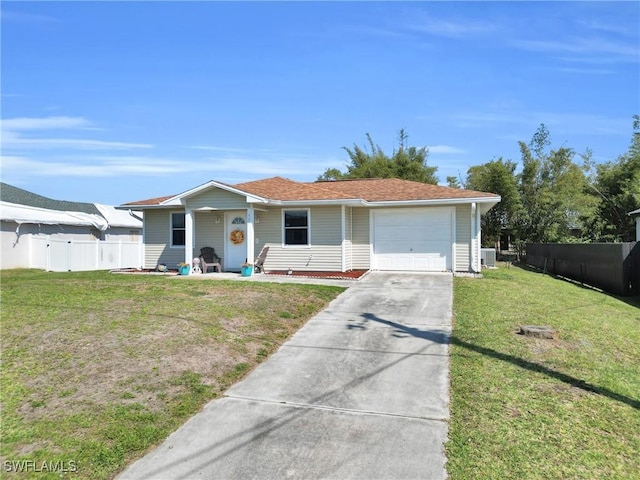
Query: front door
[(235, 252)]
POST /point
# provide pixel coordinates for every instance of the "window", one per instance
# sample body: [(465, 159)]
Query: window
[(177, 230), (296, 227)]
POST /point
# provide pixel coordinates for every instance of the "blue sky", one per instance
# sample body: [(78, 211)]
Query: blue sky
[(117, 101)]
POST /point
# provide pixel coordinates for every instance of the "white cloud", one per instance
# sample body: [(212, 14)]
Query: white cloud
[(32, 146), (16, 141), (128, 165), (22, 17), (91, 167), (14, 129), (46, 123), (585, 71), (558, 123), (613, 28), (423, 22), (583, 46), (444, 149)]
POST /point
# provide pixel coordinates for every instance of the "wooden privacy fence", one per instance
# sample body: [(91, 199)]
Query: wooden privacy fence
[(78, 255), (613, 267)]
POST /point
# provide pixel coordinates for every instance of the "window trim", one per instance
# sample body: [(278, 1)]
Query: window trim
[(172, 228), (284, 228)]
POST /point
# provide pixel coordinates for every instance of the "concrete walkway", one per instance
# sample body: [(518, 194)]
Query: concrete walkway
[(360, 392)]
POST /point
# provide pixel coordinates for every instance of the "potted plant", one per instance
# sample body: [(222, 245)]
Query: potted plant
[(246, 269), (184, 268)]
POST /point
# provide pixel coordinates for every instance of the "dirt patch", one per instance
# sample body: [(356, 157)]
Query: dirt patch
[(134, 351), (564, 390), (117, 367)]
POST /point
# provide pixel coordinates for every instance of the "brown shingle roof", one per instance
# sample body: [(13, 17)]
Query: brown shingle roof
[(278, 188), (390, 189), (368, 189), (151, 201)]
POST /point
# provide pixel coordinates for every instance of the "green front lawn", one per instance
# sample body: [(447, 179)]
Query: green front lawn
[(527, 408), (97, 368)]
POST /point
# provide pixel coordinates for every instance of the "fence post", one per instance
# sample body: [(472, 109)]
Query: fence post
[(47, 258), (69, 255), (30, 243), (635, 268)]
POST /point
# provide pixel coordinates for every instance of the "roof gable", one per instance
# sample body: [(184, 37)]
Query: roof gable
[(279, 188)]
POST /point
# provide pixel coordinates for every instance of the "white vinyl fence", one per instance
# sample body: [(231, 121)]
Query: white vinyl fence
[(80, 255)]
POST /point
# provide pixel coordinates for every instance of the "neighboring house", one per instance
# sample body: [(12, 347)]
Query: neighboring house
[(636, 214), (377, 224), (30, 223)]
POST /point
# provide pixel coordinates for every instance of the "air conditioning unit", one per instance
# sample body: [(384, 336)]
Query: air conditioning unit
[(488, 257)]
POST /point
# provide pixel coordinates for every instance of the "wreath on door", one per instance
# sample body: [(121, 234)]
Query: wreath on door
[(237, 237)]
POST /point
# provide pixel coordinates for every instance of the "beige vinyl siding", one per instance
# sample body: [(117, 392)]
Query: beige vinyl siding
[(324, 253), (208, 233), (267, 232), (216, 198), (463, 238), (360, 240), (157, 226)]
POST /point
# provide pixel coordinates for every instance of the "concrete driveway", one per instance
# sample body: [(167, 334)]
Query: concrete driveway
[(360, 392)]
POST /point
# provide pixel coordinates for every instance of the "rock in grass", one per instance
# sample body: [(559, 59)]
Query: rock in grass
[(538, 331)]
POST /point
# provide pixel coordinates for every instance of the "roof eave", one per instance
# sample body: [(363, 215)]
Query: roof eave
[(146, 207), (349, 202), (180, 199), (434, 201), (487, 203)]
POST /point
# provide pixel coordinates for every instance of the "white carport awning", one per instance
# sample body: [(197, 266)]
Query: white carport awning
[(120, 218), (20, 214)]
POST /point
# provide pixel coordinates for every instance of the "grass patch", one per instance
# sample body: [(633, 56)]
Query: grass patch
[(530, 408), (99, 368)]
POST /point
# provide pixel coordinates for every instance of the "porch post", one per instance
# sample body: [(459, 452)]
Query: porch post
[(475, 239), (188, 236), (250, 235), (343, 233), (479, 229)]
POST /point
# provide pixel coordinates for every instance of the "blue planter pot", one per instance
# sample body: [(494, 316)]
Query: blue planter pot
[(246, 271), (184, 270)]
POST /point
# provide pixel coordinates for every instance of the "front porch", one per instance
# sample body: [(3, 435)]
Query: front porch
[(231, 233)]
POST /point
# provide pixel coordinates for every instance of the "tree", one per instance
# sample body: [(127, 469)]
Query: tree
[(553, 192), (453, 182), (409, 163), (497, 176), (616, 188)]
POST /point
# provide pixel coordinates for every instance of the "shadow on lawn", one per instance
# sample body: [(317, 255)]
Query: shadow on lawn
[(633, 300), (536, 367), (520, 362)]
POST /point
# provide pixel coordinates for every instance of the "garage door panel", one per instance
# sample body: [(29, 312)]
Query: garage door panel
[(413, 240)]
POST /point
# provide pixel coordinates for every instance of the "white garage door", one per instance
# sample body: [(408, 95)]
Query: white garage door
[(413, 239)]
